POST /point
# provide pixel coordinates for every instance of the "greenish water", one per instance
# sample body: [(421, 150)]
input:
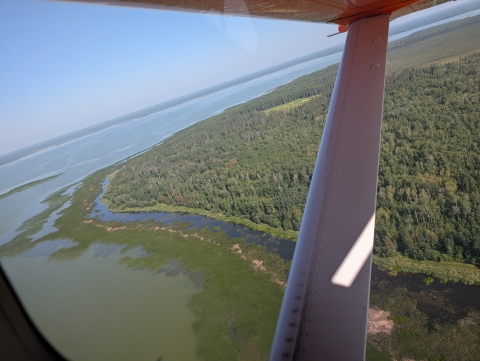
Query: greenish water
[(92, 308), (140, 288)]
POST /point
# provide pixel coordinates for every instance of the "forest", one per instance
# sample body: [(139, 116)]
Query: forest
[(255, 161)]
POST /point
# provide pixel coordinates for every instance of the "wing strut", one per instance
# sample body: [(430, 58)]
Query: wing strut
[(325, 307)]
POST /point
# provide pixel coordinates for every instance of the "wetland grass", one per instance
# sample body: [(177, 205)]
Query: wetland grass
[(238, 307), (241, 284), (27, 186), (261, 227), (432, 321), (289, 106), (446, 271)]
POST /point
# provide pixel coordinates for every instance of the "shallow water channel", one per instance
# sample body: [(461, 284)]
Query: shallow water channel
[(93, 307), (283, 247), (442, 303)]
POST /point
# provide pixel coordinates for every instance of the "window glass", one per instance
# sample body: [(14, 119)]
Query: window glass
[(154, 169)]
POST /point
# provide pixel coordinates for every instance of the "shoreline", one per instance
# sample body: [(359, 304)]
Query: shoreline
[(289, 235), (445, 270), (465, 273)]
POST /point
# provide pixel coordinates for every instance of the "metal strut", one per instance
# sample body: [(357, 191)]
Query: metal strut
[(325, 307)]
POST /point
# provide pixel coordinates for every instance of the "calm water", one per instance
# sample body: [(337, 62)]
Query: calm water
[(91, 308)]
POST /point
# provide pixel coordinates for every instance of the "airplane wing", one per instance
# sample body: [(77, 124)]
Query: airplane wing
[(325, 306), (341, 12)]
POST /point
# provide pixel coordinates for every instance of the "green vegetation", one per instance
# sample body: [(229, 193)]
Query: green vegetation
[(288, 106), (453, 271), (429, 323), (429, 176), (253, 167), (375, 355), (400, 319), (278, 232), (428, 280), (437, 44), (27, 186), (238, 307), (243, 163), (22, 242)]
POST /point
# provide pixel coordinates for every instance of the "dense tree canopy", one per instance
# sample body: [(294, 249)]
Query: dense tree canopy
[(429, 178), (256, 161)]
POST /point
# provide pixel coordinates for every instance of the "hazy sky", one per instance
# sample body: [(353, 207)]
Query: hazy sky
[(65, 66)]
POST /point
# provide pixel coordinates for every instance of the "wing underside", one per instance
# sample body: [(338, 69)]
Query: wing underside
[(341, 12)]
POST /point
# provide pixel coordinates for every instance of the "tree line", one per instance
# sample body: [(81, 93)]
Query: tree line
[(258, 165)]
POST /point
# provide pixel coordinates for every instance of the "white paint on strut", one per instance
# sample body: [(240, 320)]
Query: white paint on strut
[(356, 257)]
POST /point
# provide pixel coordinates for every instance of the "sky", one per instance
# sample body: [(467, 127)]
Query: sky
[(66, 66)]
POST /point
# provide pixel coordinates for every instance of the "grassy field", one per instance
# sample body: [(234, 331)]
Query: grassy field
[(448, 271), (288, 106)]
